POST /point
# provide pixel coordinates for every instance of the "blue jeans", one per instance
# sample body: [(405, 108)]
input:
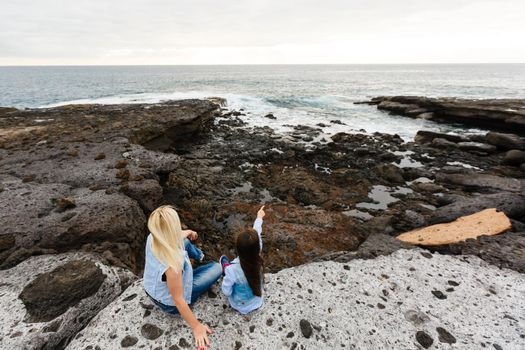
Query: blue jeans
[(203, 277)]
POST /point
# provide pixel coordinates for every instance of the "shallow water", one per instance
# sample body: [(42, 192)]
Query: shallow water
[(295, 94), (382, 196)]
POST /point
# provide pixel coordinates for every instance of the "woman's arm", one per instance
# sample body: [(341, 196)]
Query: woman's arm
[(200, 331), (190, 234), (257, 225)]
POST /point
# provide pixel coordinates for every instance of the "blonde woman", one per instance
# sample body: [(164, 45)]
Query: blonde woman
[(169, 279)]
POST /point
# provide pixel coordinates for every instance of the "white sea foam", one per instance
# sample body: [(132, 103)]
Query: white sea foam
[(292, 110)]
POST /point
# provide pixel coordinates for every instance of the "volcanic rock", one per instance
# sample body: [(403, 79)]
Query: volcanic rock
[(506, 141), (358, 285), (512, 204), (483, 182), (514, 157), (476, 146), (424, 136), (46, 308), (497, 114)]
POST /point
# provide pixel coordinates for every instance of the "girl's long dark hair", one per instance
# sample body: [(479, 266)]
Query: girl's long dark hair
[(249, 251)]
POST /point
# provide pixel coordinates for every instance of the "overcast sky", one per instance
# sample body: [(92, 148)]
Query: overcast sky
[(38, 32)]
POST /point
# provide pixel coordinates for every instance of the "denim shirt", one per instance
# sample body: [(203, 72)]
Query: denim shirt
[(235, 285), (153, 283)]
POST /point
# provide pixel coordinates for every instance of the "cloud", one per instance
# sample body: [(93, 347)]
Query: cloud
[(242, 31)]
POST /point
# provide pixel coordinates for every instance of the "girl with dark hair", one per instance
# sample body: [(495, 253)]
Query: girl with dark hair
[(243, 279)]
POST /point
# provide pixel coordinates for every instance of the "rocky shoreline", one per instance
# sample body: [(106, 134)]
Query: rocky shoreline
[(79, 181), (496, 114)]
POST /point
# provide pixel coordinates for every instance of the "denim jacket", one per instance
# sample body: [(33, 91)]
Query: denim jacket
[(235, 285), (153, 283)]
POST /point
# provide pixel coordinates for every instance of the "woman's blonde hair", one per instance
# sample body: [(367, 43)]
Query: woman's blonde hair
[(167, 243)]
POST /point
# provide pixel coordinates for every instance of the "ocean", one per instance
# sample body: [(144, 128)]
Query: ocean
[(295, 94)]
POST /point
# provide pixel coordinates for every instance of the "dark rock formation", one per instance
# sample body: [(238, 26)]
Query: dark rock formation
[(506, 250), (424, 339), (505, 141), (514, 157), (90, 174), (306, 328), (46, 300), (502, 114), (375, 245), (423, 136), (86, 177), (52, 293), (512, 204), (483, 182)]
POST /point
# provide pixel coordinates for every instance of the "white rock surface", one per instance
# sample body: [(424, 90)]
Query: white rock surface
[(17, 333), (364, 304)]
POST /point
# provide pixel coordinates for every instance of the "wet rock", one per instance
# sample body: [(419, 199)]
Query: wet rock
[(514, 157), (512, 204), (443, 143), (233, 122), (270, 116), (506, 141), (483, 182), (425, 116), (306, 328), (424, 339), (476, 146), (390, 173), (423, 136), (429, 187), (497, 114)]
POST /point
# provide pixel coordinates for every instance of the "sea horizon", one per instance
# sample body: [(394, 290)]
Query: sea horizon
[(267, 64)]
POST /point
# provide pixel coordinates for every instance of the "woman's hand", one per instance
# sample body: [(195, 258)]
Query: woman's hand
[(191, 235), (200, 332), (261, 213)]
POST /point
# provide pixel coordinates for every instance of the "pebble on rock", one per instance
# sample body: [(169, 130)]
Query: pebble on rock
[(439, 294), (445, 336), (306, 328), (128, 341), (424, 339), (150, 331)]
